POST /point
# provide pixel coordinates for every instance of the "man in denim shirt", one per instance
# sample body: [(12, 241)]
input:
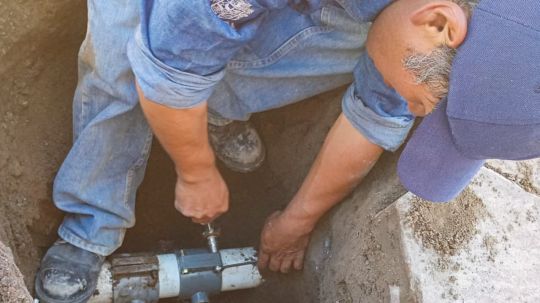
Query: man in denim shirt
[(187, 63)]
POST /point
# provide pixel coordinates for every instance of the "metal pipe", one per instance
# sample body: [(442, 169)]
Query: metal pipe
[(200, 297), (181, 274)]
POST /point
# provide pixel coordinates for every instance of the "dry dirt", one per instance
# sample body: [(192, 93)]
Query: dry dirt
[(38, 46), (446, 228), (12, 288), (524, 173), (363, 258)]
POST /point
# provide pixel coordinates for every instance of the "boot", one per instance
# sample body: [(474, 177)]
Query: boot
[(236, 143), (67, 274)]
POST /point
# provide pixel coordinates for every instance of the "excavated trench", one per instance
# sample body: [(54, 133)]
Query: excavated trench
[(38, 48)]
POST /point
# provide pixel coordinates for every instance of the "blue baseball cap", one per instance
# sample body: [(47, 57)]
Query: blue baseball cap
[(493, 106)]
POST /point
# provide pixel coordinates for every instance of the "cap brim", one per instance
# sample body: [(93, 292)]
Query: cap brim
[(430, 166)]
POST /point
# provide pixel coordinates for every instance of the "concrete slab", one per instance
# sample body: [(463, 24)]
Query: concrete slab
[(483, 247), (524, 173)]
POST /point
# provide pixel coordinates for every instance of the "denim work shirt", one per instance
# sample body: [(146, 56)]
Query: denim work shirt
[(181, 49)]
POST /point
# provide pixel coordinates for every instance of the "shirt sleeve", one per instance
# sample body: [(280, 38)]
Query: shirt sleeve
[(180, 48), (376, 110)]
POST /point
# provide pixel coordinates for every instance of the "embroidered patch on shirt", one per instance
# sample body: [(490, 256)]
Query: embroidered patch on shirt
[(231, 10)]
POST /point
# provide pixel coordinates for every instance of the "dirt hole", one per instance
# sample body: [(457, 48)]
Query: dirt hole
[(38, 49)]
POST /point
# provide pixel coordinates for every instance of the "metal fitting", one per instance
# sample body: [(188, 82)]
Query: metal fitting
[(211, 234)]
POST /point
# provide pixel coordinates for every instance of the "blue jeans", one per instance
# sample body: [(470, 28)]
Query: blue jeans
[(97, 182)]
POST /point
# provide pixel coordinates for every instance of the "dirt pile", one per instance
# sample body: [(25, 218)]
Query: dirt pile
[(12, 288), (446, 227)]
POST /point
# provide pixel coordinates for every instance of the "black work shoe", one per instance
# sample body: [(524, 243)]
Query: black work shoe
[(67, 274), (238, 145)]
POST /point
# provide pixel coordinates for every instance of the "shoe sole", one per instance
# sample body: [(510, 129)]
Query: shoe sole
[(236, 167)]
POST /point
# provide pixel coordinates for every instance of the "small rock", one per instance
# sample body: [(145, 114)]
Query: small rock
[(24, 103), (16, 169)]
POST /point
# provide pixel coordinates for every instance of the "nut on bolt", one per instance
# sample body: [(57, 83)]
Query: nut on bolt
[(211, 231), (211, 235)]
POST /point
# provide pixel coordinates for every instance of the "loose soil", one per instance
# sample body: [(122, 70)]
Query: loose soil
[(12, 288), (38, 47), (446, 227)]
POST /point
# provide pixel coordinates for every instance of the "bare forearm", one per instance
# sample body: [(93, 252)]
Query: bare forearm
[(183, 134), (345, 158)]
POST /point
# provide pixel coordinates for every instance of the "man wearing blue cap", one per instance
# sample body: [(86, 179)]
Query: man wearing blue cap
[(230, 58), (493, 106)]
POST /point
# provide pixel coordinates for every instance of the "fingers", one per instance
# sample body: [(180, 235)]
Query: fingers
[(202, 221), (275, 263), (298, 261), (286, 264), (282, 264), (202, 201), (279, 250), (263, 260), (200, 216)]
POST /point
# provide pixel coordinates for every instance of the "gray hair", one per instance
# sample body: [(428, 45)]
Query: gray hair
[(433, 69), (467, 5)]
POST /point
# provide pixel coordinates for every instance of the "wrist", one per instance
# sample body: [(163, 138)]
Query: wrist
[(197, 171), (302, 220)]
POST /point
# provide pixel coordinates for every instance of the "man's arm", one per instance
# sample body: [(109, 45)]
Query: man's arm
[(201, 192), (345, 158)]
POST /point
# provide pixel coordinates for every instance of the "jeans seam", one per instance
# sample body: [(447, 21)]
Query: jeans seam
[(345, 6), (83, 113), (83, 93), (138, 163), (68, 236), (284, 49)]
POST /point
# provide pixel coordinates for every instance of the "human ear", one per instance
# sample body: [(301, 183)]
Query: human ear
[(445, 22)]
